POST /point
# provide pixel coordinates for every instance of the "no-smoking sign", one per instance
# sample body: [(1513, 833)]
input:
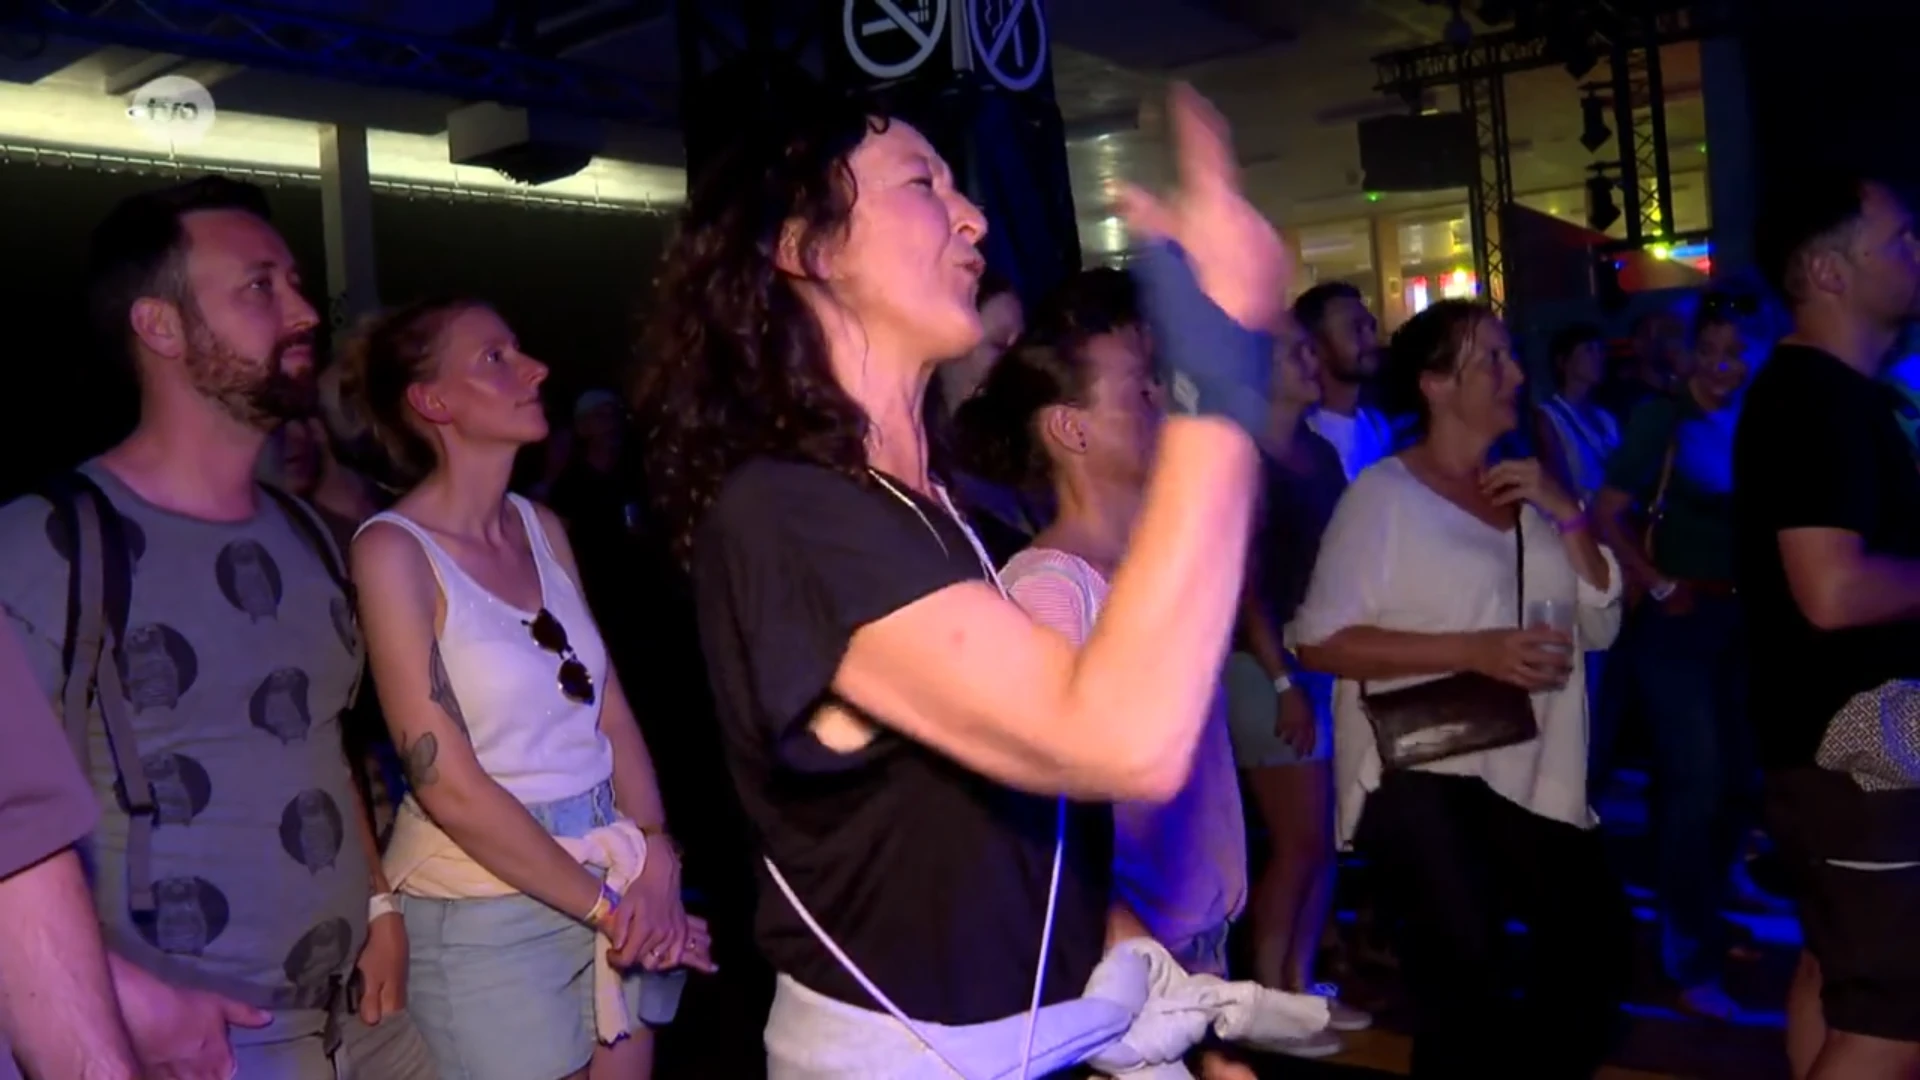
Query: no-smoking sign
[(1009, 41), (890, 39)]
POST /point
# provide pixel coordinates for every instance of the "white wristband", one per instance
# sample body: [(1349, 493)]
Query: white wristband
[(1282, 683), (380, 904)]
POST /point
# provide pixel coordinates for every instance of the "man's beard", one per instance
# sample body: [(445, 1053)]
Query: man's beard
[(1358, 373), (259, 394)]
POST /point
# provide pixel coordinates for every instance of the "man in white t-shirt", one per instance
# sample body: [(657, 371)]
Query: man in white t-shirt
[(1346, 337)]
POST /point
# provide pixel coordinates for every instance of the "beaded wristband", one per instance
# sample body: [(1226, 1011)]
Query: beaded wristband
[(603, 905)]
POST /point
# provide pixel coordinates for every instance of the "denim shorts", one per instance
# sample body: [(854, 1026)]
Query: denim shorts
[(1252, 708), (502, 987)]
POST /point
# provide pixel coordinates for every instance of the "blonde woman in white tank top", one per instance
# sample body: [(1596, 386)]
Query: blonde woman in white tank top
[(512, 724)]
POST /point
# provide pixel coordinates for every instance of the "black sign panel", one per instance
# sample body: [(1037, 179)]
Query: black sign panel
[(880, 41)]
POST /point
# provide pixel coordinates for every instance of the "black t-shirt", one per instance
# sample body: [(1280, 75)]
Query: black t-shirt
[(1817, 447), (933, 879), (1297, 501)]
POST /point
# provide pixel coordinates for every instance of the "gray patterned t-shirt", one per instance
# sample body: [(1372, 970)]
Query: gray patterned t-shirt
[(240, 653)]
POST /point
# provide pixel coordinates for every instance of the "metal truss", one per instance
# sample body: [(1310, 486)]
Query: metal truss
[(1485, 99), (1411, 72), (1408, 72), (1629, 28), (289, 41), (1640, 116)]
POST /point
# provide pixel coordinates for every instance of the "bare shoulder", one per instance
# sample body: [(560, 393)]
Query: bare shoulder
[(383, 545), (555, 526), (388, 562)]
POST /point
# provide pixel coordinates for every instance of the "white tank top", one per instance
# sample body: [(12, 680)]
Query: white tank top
[(537, 743)]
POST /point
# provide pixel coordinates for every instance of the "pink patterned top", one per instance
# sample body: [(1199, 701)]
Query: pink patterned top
[(1180, 866)]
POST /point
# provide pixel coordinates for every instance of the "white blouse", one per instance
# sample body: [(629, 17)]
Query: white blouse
[(1399, 556)]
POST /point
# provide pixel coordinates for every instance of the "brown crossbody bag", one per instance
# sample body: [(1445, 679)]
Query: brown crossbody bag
[(1463, 713)]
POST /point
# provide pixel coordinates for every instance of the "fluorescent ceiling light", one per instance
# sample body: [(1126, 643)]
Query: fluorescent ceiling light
[(78, 118)]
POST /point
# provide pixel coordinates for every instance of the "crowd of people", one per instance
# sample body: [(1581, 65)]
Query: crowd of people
[(1045, 648)]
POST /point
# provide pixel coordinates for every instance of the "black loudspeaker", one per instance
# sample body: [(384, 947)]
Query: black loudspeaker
[(1418, 153)]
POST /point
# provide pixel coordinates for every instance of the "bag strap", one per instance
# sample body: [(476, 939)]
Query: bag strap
[(314, 531), (99, 605), (1658, 505), (99, 601), (87, 618), (1520, 566), (307, 522)]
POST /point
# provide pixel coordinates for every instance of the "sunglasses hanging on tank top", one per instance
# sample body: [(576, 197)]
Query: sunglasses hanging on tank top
[(575, 681)]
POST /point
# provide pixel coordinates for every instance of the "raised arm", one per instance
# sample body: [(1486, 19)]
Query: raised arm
[(400, 616), (968, 673), (964, 671)]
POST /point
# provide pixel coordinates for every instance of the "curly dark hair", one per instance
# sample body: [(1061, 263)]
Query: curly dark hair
[(733, 363), (1430, 343)]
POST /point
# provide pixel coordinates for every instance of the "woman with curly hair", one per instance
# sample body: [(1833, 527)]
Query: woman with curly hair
[(903, 737)]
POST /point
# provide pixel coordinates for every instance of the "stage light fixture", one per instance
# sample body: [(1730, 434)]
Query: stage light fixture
[(1602, 210), (1594, 131)]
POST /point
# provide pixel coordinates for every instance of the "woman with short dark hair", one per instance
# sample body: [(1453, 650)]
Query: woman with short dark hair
[(1453, 597)]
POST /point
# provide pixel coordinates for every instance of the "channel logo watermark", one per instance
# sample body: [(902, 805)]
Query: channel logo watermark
[(172, 110)]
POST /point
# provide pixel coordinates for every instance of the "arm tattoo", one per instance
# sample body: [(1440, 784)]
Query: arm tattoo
[(421, 757), (440, 688)]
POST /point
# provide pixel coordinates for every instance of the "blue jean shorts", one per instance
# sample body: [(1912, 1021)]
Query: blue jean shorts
[(1252, 708), (502, 987)]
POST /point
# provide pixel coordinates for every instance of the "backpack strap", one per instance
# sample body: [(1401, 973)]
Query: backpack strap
[(99, 601), (99, 605), (315, 532), (306, 521)]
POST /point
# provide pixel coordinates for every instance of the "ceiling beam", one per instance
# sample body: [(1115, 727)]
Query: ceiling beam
[(287, 41), (131, 77), (570, 34)]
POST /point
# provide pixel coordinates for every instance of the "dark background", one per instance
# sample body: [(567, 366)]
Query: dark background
[(570, 282)]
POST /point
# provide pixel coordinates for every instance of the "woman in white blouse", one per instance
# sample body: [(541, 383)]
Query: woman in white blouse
[(1417, 580)]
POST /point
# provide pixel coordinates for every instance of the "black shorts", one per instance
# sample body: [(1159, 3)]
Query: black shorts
[(1858, 923)]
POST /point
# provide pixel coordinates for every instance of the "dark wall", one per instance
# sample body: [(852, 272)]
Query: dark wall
[(1833, 82), (570, 282)]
